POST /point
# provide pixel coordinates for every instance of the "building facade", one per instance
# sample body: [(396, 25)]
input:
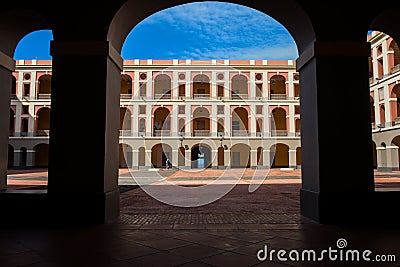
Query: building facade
[(385, 100), (213, 113)]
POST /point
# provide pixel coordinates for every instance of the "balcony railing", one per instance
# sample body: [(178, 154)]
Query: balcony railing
[(297, 133), (201, 133), (239, 96), (396, 68), (44, 96), (13, 96), (158, 133), (42, 133), (240, 133), (201, 96), (125, 96), (278, 97), (125, 132), (279, 133), (162, 96)]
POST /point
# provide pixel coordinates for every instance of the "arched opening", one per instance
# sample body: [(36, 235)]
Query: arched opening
[(10, 163), (296, 90), (142, 126), (298, 157), (259, 127), (240, 122), (396, 142), (277, 87), (41, 155), (11, 127), (43, 121), (161, 124), (181, 125), (23, 157), (201, 156), (372, 107), (126, 86), (141, 157), (240, 87), (201, 122), (382, 114), (220, 127), (374, 156), (221, 152), (13, 87), (259, 156), (159, 154), (280, 156), (125, 156), (125, 121), (240, 156), (44, 83), (162, 87), (201, 86), (396, 94), (394, 57), (298, 127), (279, 122), (24, 126)]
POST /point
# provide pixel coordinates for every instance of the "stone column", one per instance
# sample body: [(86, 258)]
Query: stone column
[(329, 193), (92, 192), (292, 158), (227, 159), (214, 159), (253, 158), (188, 159), (147, 159), (381, 158), (135, 159), (17, 158), (7, 66), (392, 155), (175, 158), (266, 159), (30, 158)]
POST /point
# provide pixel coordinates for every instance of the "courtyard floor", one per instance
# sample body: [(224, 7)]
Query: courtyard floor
[(229, 231)]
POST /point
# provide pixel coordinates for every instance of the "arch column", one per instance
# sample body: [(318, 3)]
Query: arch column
[(227, 159), (30, 158), (214, 159), (188, 159), (147, 159), (96, 199), (175, 158), (253, 158), (331, 194), (381, 158), (7, 66), (135, 159), (292, 159), (266, 159), (392, 158), (17, 158)]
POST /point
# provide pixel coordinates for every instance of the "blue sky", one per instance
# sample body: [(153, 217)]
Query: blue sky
[(206, 30)]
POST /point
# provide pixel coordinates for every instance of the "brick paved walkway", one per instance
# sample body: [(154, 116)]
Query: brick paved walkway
[(227, 232)]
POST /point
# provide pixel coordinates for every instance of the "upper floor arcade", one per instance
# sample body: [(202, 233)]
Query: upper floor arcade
[(188, 80)]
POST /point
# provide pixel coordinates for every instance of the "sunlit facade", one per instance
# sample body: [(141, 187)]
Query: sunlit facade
[(385, 100), (215, 113)]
